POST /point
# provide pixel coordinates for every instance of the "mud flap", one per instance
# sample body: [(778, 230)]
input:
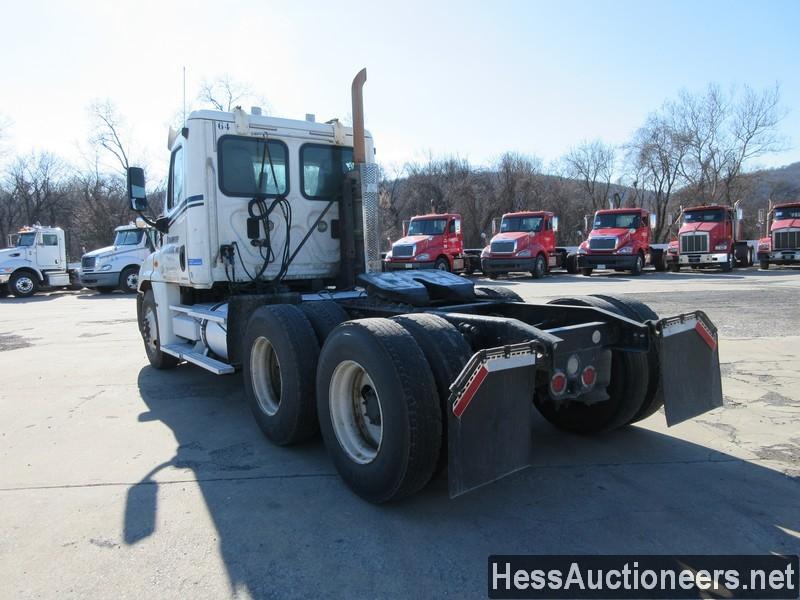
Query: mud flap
[(489, 421), (689, 358)]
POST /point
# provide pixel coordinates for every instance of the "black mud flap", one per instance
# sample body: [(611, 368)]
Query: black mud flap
[(689, 358), (489, 417)]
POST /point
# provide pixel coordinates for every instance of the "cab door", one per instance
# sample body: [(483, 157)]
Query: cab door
[(173, 259), (454, 238), (49, 252), (547, 238)]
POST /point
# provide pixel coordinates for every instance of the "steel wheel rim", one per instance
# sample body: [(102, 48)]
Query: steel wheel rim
[(24, 284), (356, 412), (540, 266), (442, 266), (132, 281), (265, 375), (151, 329)]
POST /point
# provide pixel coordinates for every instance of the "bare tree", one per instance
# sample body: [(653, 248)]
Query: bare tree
[(517, 182), (592, 164), (224, 93), (36, 185), (107, 133)]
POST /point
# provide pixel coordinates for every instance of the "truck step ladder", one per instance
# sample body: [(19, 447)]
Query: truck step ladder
[(187, 352)]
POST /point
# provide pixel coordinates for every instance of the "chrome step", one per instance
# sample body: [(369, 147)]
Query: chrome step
[(201, 313), (187, 352)]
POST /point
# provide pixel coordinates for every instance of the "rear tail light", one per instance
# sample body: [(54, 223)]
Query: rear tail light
[(558, 383), (588, 376)]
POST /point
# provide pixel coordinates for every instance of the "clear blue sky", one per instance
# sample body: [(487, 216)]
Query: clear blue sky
[(467, 78)]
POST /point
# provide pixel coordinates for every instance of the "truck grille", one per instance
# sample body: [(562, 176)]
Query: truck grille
[(602, 243), (694, 242), (785, 240), (87, 263), (403, 251), (503, 246)]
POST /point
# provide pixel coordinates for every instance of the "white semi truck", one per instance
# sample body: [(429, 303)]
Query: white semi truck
[(270, 264), (117, 266), (36, 260)]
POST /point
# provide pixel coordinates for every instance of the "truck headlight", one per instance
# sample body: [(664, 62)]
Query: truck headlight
[(423, 256), (721, 246), (389, 255), (763, 246), (6, 269), (106, 267), (524, 253), (485, 252), (581, 250), (625, 250)]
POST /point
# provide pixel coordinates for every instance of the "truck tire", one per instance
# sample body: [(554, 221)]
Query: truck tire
[(586, 271), (446, 351), (105, 290), (638, 266), (378, 408), (129, 280), (324, 316), (675, 267), (279, 369), (3, 290), (23, 284), (727, 266), (442, 264), (659, 261), (148, 327), (626, 391), (572, 264), (639, 311), (763, 265), (539, 267), (496, 293)]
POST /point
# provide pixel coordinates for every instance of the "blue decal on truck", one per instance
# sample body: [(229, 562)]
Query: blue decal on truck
[(195, 262)]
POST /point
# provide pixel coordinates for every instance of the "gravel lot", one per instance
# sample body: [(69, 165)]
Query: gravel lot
[(118, 480)]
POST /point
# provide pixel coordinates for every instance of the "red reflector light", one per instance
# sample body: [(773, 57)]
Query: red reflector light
[(558, 383), (589, 376)]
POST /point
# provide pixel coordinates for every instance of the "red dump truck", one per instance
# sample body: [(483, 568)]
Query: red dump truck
[(526, 243), (782, 246), (620, 239), (433, 242), (710, 236)]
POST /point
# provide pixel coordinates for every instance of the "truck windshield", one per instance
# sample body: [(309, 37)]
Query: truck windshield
[(427, 226), (521, 224), (129, 237), (703, 216), (790, 212), (616, 221), (27, 239), (240, 162)]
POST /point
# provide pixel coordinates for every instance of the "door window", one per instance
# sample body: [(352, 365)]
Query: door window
[(49, 239), (176, 178)]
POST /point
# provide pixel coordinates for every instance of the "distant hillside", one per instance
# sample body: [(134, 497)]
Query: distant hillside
[(781, 184)]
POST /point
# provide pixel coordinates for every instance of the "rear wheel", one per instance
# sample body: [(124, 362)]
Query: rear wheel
[(279, 368), (324, 316), (659, 261), (442, 264), (378, 408), (572, 264), (763, 265), (626, 389), (129, 280), (148, 326), (539, 268), (23, 284)]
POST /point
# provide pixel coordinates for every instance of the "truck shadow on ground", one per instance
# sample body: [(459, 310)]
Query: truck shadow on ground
[(288, 526), (41, 297)]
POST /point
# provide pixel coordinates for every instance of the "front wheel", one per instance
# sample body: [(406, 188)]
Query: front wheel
[(763, 265), (539, 268), (675, 267), (378, 409), (638, 265), (442, 264), (129, 280), (727, 266), (23, 285), (148, 326)]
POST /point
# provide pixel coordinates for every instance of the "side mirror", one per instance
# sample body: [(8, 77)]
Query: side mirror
[(653, 222), (162, 224), (760, 215), (740, 213), (406, 224), (495, 226), (136, 189), (555, 223)]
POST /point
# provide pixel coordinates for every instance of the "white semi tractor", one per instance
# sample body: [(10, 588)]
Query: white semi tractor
[(117, 266), (269, 263), (36, 260)]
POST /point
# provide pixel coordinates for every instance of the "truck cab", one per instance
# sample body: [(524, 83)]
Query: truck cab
[(709, 237), (782, 246), (526, 242), (620, 239), (432, 241), (117, 266), (37, 259)]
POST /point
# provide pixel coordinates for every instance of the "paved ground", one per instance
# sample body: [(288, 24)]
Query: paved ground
[(117, 480)]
